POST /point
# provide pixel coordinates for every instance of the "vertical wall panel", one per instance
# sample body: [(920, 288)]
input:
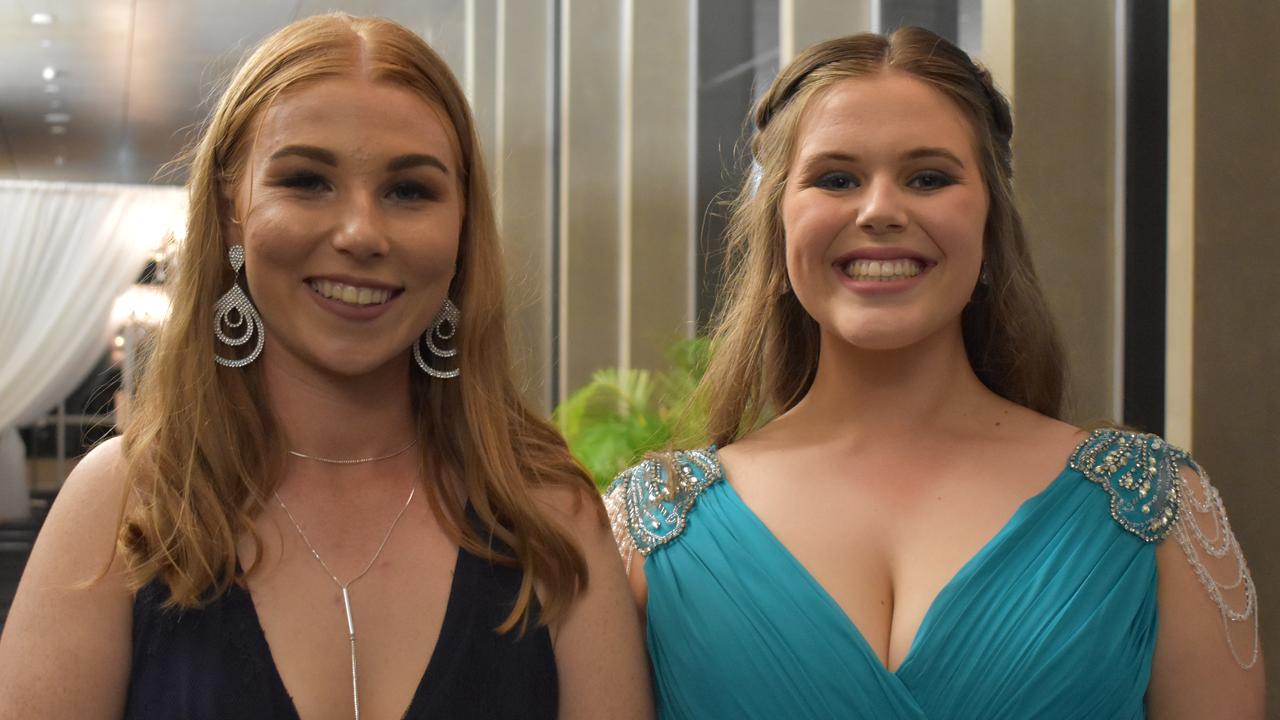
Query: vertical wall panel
[(521, 169), (660, 224), (1064, 178), (802, 23), (590, 206), (1236, 339)]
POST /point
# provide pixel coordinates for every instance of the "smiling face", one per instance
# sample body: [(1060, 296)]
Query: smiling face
[(352, 230), (884, 212)]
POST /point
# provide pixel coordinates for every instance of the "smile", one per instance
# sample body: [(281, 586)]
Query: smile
[(350, 294), (863, 270)]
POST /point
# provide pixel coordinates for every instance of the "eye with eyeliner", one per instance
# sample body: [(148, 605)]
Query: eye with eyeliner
[(307, 182), (411, 191), (839, 180), (930, 180)]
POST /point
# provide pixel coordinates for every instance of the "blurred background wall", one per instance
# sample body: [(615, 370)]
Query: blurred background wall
[(1147, 160)]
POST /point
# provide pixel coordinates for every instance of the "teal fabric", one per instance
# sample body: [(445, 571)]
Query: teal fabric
[(1054, 618)]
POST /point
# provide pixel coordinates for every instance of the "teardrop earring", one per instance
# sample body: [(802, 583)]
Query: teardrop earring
[(235, 312)]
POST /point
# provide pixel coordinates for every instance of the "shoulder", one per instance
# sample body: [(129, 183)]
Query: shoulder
[(71, 613), (1158, 492), (648, 502), (1144, 477)]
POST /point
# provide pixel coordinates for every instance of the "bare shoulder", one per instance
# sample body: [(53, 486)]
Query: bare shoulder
[(1208, 661), (578, 508), (599, 648), (71, 616)]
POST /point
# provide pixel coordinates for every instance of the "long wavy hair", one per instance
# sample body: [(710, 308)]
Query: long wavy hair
[(202, 450), (765, 345)]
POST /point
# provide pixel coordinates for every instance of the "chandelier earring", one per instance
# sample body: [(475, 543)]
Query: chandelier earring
[(235, 319), (443, 329)]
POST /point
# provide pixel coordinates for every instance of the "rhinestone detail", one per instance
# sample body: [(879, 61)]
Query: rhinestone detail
[(1157, 489)]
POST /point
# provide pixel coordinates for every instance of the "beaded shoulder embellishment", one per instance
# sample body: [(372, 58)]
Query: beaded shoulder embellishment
[(1139, 473), (646, 509), (1152, 497)]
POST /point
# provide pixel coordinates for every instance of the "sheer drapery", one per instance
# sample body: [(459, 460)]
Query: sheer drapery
[(66, 251)]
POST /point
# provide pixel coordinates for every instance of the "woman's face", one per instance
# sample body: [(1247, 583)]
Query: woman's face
[(884, 211), (354, 215)]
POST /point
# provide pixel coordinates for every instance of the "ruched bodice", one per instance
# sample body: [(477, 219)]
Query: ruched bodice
[(1055, 617)]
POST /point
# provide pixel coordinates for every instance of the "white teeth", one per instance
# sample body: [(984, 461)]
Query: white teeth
[(883, 270), (350, 294)]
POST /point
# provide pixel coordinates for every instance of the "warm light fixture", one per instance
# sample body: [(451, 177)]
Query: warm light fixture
[(57, 129), (49, 73), (57, 118), (41, 18)]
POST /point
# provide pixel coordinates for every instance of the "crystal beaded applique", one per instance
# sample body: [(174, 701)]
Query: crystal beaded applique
[(645, 510), (1140, 473), (1152, 496)]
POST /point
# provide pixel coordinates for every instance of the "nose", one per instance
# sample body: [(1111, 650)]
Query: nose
[(361, 230), (882, 210)]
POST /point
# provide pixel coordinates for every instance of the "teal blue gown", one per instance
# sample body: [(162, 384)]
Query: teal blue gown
[(1054, 618)]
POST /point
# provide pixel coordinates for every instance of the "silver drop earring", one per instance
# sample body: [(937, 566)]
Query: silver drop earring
[(235, 312), (984, 277), (443, 329)]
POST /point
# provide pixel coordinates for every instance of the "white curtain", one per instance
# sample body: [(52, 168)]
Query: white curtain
[(66, 251)]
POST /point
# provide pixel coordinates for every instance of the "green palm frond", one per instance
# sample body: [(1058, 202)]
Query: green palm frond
[(621, 414)]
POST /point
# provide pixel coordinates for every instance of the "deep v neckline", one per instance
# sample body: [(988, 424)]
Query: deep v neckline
[(966, 570), (420, 693)]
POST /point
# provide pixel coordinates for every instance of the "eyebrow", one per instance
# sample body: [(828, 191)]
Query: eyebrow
[(916, 154), (307, 151), (405, 162), (321, 155)]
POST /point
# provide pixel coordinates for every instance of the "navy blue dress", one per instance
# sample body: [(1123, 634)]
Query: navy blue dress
[(214, 662)]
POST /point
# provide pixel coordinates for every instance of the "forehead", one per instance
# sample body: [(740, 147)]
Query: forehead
[(886, 111), (357, 119)]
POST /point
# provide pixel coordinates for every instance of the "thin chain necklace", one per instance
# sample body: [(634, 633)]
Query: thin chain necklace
[(344, 587), (356, 461)]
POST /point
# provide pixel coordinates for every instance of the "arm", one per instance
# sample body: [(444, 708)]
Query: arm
[(66, 648), (600, 655), (1199, 669), (632, 561)]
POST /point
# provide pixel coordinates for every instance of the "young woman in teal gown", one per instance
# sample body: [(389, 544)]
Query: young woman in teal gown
[(893, 522)]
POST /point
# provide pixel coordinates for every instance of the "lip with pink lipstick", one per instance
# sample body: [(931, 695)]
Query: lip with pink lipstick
[(352, 298), (881, 270)]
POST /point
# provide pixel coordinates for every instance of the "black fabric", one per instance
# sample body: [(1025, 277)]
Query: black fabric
[(214, 662)]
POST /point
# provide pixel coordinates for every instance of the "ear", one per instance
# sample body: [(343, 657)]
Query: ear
[(232, 230)]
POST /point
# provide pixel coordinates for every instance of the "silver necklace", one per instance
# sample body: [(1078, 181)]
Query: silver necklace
[(356, 461), (344, 587)]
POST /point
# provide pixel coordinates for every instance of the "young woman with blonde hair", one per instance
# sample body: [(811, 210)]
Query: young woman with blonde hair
[(893, 522), (331, 501)]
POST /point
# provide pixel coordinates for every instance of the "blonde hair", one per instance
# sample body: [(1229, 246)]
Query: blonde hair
[(202, 451), (765, 345)]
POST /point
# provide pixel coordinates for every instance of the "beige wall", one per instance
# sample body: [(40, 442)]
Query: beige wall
[(1064, 148), (1235, 336)]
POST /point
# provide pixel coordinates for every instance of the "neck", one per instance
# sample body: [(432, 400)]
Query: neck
[(341, 417), (859, 395)]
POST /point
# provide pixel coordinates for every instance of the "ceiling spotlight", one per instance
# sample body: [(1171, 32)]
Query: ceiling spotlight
[(41, 18), (46, 43), (49, 73), (55, 104), (51, 88), (57, 129), (57, 118)]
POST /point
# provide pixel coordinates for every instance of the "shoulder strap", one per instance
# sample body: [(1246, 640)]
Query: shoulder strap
[(1139, 473), (1157, 489), (647, 507)]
